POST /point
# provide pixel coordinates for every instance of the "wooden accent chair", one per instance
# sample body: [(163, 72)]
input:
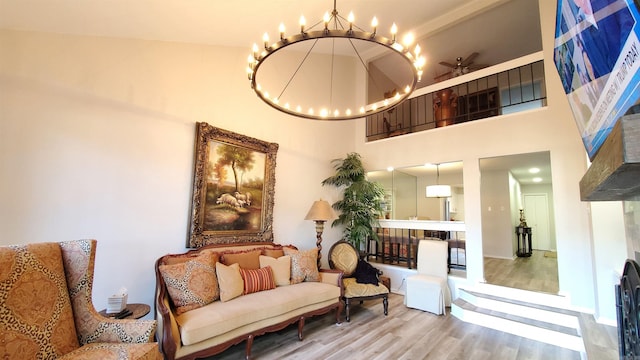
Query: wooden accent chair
[(46, 311), (428, 290), (344, 257)]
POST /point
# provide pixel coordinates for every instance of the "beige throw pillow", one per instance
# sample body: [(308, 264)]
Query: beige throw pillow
[(281, 268), (230, 281), (246, 259), (274, 253)]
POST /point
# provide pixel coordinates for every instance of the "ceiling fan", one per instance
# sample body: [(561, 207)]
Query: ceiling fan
[(462, 66)]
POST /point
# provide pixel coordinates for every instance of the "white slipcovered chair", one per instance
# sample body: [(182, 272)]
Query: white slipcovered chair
[(428, 290)]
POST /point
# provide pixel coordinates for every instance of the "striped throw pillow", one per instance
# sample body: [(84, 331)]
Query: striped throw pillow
[(257, 280)]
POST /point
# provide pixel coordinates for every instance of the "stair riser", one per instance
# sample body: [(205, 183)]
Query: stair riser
[(522, 311), (516, 328), (533, 297)]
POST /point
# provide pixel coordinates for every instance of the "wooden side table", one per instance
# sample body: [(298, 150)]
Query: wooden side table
[(137, 311), (524, 241)]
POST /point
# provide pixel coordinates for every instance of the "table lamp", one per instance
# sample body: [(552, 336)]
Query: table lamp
[(320, 212)]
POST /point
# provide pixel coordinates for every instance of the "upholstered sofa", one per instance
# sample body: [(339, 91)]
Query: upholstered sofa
[(211, 298), (46, 310)]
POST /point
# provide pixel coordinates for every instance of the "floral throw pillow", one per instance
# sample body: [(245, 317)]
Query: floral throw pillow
[(192, 284), (304, 265)]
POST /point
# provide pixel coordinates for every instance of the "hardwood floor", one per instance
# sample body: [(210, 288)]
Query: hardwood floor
[(535, 273), (411, 334)]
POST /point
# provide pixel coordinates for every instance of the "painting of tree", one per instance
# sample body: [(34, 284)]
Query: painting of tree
[(231, 202), (238, 159), (233, 192)]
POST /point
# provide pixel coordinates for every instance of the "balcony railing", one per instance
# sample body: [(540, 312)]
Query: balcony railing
[(398, 241), (516, 89)]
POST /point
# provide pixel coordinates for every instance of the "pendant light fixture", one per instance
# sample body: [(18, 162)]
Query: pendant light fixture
[(438, 191)]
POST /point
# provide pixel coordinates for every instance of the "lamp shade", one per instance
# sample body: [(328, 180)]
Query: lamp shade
[(438, 191), (320, 211)]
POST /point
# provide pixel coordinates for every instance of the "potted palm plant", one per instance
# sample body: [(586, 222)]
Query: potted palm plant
[(361, 205)]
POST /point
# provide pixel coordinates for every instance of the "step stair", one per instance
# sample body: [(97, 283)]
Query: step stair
[(520, 313)]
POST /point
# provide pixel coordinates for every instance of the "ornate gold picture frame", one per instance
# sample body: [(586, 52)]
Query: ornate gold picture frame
[(233, 188)]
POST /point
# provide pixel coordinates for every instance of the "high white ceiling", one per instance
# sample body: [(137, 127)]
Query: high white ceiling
[(499, 30), (231, 23)]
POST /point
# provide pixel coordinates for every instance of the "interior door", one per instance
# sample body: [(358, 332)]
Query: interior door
[(536, 212)]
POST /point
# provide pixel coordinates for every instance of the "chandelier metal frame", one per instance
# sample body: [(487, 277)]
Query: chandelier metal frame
[(340, 31)]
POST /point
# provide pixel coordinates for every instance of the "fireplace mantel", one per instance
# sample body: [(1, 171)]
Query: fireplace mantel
[(614, 173)]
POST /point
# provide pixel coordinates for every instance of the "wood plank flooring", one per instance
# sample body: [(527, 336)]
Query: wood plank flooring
[(408, 334), (535, 273)]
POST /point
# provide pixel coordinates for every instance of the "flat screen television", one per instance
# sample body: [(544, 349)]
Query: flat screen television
[(597, 55)]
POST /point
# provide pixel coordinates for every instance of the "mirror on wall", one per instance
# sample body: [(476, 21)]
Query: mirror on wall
[(406, 197)]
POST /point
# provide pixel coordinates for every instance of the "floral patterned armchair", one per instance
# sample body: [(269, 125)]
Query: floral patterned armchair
[(46, 311)]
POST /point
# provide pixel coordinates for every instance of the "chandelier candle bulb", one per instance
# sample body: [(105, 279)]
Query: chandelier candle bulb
[(394, 31), (265, 38), (281, 30), (407, 40), (326, 20), (350, 19), (303, 22), (374, 25)]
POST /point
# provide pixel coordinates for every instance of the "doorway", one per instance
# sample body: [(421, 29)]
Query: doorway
[(507, 186), (536, 209)]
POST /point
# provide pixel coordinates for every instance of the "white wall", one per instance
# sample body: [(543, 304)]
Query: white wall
[(515, 201), (608, 233), (96, 141), (497, 227), (549, 129)]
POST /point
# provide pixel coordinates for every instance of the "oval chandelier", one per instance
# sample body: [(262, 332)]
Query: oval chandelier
[(330, 103)]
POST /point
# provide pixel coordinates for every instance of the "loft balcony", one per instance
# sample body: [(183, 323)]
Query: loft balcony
[(506, 88)]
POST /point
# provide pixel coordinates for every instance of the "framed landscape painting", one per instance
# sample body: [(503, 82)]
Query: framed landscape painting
[(233, 188)]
